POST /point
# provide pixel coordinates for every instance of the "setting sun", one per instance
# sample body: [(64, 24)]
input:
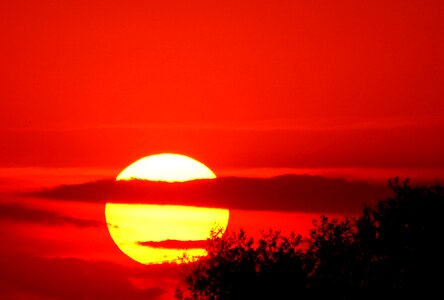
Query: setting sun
[(166, 167), (308, 134), (151, 233)]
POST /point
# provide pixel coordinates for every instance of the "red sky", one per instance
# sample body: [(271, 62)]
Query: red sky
[(250, 84), (348, 89)]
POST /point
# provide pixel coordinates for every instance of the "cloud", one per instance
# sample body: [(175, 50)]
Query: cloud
[(68, 278), (302, 193), (20, 213), (175, 244)]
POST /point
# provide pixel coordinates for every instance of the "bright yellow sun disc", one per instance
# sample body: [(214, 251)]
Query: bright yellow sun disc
[(166, 167), (150, 233)]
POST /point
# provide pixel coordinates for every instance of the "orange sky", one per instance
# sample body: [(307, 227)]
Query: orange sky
[(345, 90), (250, 84)]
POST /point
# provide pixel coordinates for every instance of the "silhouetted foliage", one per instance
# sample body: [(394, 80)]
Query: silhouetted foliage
[(331, 255), (395, 244), (237, 267), (401, 237)]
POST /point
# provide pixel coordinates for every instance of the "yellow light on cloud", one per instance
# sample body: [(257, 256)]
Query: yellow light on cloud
[(132, 224)]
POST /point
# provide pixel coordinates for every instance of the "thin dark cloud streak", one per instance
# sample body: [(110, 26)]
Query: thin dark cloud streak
[(302, 193), (175, 244), (69, 278), (18, 213)]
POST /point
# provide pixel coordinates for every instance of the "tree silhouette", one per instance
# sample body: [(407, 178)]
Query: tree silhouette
[(401, 237), (332, 254), (395, 244), (237, 267)]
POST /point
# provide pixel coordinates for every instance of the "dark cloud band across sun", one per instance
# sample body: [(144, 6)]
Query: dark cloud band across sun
[(175, 244), (283, 193)]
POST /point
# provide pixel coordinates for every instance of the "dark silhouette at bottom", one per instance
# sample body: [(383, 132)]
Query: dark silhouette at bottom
[(397, 244)]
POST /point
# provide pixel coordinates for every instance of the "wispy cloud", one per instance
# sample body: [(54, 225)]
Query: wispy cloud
[(19, 213), (308, 124), (174, 244), (283, 193), (59, 278)]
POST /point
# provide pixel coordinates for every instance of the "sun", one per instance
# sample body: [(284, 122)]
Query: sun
[(151, 233), (166, 167)]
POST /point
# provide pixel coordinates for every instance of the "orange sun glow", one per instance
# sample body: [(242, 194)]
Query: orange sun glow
[(150, 233)]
